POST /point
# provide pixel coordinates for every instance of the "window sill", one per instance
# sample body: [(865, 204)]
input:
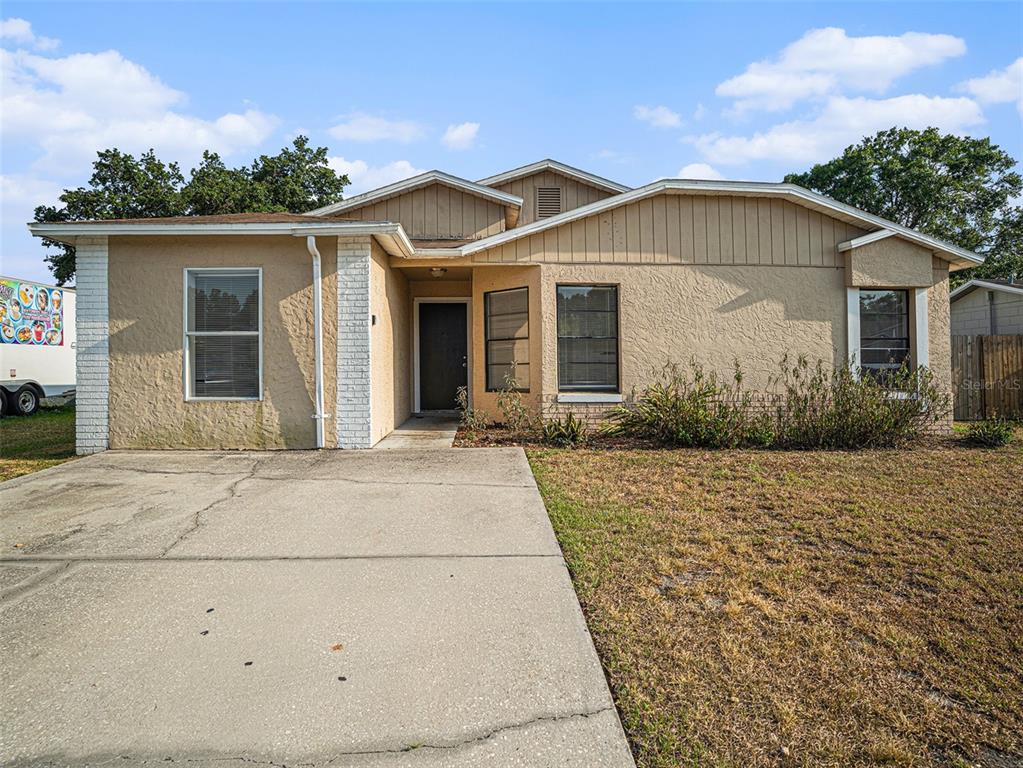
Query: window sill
[(223, 399), (596, 397)]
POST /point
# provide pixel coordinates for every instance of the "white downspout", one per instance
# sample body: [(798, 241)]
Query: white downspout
[(319, 416)]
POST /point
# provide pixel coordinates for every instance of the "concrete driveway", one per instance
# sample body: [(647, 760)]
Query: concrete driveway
[(294, 608)]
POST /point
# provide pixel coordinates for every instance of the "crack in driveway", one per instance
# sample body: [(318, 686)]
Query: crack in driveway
[(480, 738), (232, 493)]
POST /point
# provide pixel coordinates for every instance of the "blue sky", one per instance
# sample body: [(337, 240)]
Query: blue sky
[(632, 92)]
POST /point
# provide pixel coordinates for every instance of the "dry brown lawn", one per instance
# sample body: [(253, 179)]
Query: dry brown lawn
[(757, 608)]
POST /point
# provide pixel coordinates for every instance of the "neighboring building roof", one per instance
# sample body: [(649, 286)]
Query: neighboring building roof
[(1015, 289), (553, 165), (416, 182), (791, 192)]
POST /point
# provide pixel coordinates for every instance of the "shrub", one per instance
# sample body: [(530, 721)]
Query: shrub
[(516, 415), (825, 407), (989, 433), (566, 431), (471, 420), (813, 407), (691, 408)]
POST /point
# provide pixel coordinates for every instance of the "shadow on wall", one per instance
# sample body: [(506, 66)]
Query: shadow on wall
[(811, 318)]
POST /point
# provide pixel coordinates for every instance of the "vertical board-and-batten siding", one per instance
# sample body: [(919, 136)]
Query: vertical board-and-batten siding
[(436, 212), (689, 229), (92, 347), (353, 407), (574, 194)]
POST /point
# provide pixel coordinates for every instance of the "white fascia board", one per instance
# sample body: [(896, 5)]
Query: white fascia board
[(422, 180), (553, 165), (859, 242), (1015, 290), (791, 192), (386, 229)]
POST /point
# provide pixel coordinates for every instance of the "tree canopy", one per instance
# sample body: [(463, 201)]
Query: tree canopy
[(956, 188), (295, 180)]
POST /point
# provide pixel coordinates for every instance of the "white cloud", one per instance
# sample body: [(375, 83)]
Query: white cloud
[(700, 171), (26, 192), (700, 112), (842, 122), (365, 177), (73, 106), (20, 32), (999, 86), (359, 126), (824, 61), (461, 136), (658, 117)]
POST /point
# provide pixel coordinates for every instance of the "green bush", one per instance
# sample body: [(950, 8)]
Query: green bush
[(825, 407), (567, 431), (990, 433), (691, 408)]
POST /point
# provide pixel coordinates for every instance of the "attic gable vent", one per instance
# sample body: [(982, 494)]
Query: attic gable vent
[(548, 202)]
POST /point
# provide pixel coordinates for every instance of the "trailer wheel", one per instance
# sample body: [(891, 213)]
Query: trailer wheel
[(27, 400), (3, 401)]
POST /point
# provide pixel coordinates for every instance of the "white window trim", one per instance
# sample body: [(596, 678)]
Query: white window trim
[(597, 397), (416, 302), (852, 307), (921, 336), (186, 372)]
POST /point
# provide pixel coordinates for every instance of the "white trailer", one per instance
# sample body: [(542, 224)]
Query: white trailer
[(37, 344)]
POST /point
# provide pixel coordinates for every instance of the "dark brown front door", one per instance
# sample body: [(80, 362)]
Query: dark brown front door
[(443, 362)]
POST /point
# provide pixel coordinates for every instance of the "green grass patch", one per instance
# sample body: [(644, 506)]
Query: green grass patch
[(31, 443)]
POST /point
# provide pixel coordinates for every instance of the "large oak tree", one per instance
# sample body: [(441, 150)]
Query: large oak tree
[(297, 179), (957, 188)]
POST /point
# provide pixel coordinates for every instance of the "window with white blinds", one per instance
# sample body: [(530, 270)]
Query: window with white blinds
[(223, 334)]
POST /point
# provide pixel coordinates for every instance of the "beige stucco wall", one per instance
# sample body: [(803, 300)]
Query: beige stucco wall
[(486, 279), (714, 314), (939, 325), (390, 355), (889, 263), (147, 405)]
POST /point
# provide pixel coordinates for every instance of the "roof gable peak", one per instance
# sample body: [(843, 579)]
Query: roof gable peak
[(548, 164)]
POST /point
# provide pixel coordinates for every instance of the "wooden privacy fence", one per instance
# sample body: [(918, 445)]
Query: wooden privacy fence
[(987, 376)]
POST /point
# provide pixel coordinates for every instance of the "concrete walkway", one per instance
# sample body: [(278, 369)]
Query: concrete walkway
[(421, 432), (399, 608)]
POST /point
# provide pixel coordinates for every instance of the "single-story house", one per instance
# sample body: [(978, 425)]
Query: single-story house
[(331, 328), (987, 308)]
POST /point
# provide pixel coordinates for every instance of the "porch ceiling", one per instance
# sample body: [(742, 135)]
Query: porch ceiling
[(423, 273)]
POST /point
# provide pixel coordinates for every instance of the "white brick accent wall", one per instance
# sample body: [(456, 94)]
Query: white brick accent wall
[(92, 351), (353, 343)]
